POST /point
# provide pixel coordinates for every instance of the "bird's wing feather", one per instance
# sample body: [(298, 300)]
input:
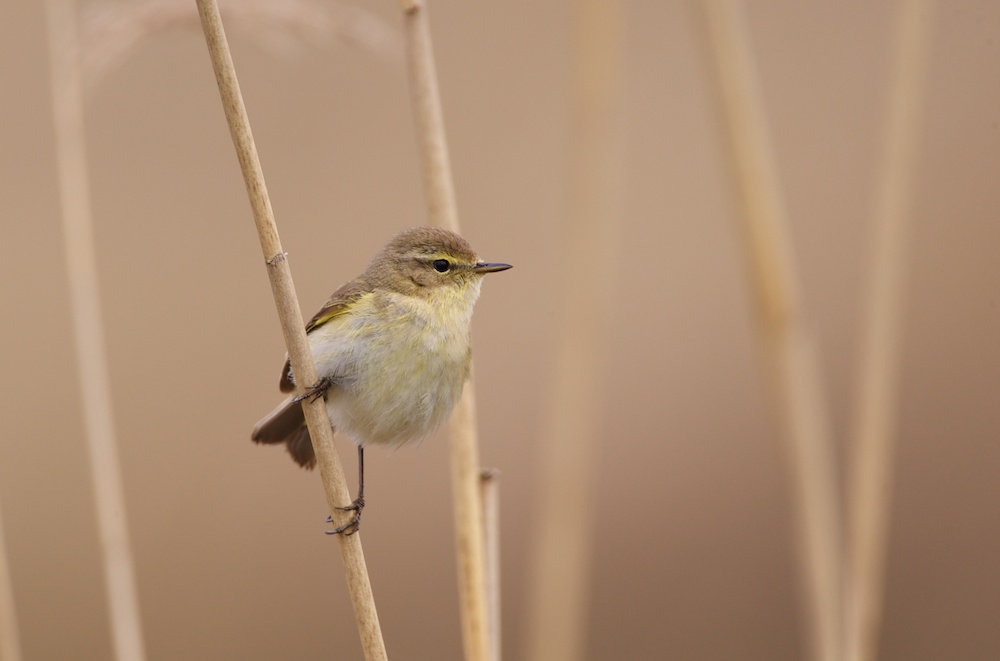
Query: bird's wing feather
[(339, 303)]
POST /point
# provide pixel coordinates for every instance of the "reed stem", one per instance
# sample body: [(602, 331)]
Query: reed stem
[(489, 484), (10, 642), (442, 211), (88, 331), (878, 388), (293, 329), (786, 344), (559, 600)]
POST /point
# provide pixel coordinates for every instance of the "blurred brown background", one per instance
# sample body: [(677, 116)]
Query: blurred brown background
[(693, 558)]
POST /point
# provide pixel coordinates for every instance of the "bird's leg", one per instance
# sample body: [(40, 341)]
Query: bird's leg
[(356, 506), (315, 391)]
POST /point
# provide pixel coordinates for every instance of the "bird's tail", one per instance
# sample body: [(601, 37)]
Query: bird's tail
[(287, 424)]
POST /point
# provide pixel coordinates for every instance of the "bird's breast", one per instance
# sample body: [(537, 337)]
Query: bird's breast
[(398, 364)]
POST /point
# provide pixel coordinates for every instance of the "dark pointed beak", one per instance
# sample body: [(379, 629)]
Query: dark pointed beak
[(489, 267)]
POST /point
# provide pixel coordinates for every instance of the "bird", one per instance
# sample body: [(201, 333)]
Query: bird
[(391, 348)]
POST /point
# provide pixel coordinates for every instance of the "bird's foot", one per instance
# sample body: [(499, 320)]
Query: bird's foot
[(354, 524), (315, 391)]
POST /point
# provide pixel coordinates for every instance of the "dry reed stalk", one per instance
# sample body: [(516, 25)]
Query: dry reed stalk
[(561, 572), (292, 328), (470, 533), (875, 425), (489, 485), (10, 642), (88, 331), (439, 187), (788, 352), (112, 30), (443, 212)]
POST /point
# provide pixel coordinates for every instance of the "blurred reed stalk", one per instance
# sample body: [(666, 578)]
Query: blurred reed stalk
[(489, 485), (559, 600), (789, 355), (10, 642), (875, 430), (293, 328), (442, 211), (88, 331)]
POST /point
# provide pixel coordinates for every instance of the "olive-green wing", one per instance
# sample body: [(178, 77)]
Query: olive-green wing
[(336, 305)]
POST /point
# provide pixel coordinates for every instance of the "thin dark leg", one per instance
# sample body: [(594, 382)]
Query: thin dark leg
[(361, 475), (354, 524)]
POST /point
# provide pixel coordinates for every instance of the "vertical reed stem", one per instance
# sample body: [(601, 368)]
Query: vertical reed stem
[(439, 187), (88, 331), (489, 484), (10, 642), (469, 528), (875, 425), (788, 352), (443, 212), (293, 329), (558, 604)]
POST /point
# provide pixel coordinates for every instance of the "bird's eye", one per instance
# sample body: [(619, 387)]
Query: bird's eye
[(441, 265)]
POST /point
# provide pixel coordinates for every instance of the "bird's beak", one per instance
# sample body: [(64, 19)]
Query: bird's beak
[(489, 267)]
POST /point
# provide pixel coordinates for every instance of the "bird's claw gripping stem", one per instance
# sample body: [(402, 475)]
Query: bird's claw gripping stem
[(315, 391), (354, 524)]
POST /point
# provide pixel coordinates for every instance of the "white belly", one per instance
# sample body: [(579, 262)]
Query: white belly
[(393, 383)]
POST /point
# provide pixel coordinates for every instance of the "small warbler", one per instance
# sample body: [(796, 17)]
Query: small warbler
[(391, 349)]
